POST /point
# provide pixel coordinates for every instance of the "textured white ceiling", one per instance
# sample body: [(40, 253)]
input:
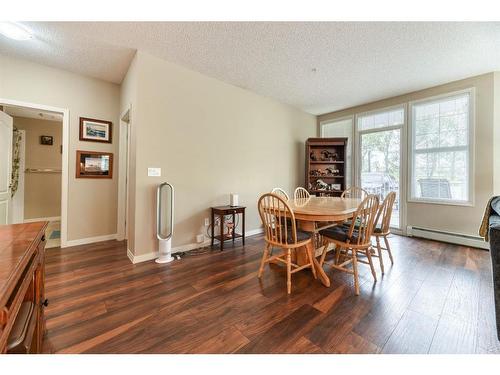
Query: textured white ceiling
[(33, 113), (354, 62)]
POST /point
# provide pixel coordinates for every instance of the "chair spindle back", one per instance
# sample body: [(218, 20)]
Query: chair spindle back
[(385, 211), (361, 228), (301, 193), (280, 192), (354, 192), (274, 211)]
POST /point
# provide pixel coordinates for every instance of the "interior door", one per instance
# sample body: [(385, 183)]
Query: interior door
[(5, 166)]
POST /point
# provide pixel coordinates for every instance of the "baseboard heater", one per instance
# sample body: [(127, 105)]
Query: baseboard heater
[(450, 237)]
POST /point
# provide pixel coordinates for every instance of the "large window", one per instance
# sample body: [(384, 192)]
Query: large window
[(441, 149)]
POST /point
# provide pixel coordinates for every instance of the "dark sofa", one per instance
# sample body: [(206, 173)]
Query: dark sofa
[(494, 238)]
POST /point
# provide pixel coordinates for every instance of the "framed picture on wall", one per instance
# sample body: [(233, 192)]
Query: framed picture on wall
[(95, 130), (92, 164), (46, 140)]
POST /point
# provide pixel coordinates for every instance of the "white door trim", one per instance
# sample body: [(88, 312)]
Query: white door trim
[(65, 156), (6, 125), (123, 167)]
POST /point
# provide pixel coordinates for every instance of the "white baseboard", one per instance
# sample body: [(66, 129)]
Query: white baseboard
[(450, 237), (84, 241), (53, 218), (254, 232), (183, 248)]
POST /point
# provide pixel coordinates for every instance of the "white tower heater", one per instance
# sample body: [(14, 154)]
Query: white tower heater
[(164, 221)]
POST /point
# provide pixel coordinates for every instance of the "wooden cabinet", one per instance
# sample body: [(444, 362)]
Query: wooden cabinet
[(325, 166), (22, 297)]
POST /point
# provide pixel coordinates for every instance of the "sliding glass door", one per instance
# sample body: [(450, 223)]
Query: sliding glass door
[(380, 137)]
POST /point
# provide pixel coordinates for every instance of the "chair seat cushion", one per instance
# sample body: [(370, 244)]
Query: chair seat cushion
[(494, 221), (338, 233), (495, 205), (301, 235)]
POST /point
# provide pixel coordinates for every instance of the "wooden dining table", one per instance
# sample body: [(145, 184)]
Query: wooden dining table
[(317, 213)]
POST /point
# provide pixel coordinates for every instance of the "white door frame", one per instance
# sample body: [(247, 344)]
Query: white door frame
[(402, 157), (123, 174), (65, 156), (6, 122)]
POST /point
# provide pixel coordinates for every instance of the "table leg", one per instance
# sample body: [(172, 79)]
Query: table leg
[(319, 270), (234, 227), (213, 229), (222, 217), (243, 227)]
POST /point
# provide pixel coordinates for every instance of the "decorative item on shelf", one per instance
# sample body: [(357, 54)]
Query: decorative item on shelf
[(47, 140), (91, 164), (95, 130), (329, 156), (230, 229), (332, 171), (310, 186), (315, 172), (337, 187), (321, 185), (312, 156)]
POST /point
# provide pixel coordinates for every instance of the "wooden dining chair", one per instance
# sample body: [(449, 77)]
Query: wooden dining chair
[(280, 192), (382, 227), (283, 234), (301, 193), (354, 192), (353, 241)]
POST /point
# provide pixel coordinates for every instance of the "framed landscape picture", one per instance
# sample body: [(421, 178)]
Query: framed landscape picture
[(95, 130), (92, 164)]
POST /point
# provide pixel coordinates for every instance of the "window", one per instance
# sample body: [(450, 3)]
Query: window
[(441, 151), (341, 128), (381, 120)]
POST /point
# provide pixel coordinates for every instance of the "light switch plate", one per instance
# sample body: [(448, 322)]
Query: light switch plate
[(154, 172)]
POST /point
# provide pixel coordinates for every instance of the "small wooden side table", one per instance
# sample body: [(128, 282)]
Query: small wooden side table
[(222, 212)]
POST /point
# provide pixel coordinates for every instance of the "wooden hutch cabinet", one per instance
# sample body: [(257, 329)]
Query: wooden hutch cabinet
[(325, 166)]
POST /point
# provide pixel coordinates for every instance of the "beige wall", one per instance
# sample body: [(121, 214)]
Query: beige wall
[(210, 139), (457, 219), (42, 191), (92, 203)]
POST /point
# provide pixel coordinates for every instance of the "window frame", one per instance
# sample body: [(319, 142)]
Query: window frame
[(403, 154), (470, 149)]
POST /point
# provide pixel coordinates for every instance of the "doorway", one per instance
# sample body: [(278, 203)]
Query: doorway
[(380, 140), (123, 176), (37, 167)]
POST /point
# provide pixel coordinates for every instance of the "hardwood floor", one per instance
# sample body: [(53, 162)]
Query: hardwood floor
[(437, 298)]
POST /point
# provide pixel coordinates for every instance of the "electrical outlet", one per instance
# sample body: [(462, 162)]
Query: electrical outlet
[(207, 221)]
